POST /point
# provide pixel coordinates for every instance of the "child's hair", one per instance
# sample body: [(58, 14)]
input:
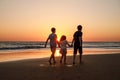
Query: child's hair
[(53, 29), (63, 37), (79, 27)]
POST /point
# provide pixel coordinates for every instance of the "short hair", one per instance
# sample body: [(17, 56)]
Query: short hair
[(53, 29), (79, 27)]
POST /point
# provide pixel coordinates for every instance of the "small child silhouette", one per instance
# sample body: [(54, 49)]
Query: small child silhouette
[(63, 48)]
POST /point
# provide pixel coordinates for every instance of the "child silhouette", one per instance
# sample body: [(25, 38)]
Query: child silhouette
[(63, 48)]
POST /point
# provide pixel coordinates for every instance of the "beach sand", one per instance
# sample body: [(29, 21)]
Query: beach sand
[(94, 67)]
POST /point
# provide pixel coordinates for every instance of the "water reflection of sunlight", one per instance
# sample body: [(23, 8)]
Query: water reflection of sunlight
[(42, 65), (58, 37), (69, 65), (57, 53)]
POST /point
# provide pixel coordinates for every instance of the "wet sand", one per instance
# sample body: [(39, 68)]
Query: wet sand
[(94, 67)]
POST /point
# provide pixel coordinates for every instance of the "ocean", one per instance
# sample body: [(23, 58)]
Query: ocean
[(38, 45), (10, 51)]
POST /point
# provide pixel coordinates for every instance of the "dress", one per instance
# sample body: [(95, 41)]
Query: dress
[(63, 46)]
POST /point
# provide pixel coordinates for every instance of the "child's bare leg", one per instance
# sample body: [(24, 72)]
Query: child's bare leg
[(52, 55), (74, 56), (50, 59), (64, 58), (80, 58), (61, 58), (54, 58)]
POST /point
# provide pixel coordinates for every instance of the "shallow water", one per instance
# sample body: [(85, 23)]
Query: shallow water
[(10, 51), (45, 52)]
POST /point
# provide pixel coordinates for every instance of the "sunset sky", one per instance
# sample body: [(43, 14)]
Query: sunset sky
[(31, 20)]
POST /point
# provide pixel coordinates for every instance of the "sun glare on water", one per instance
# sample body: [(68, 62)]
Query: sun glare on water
[(57, 53), (58, 38)]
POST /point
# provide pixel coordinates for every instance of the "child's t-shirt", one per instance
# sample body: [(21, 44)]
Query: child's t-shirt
[(76, 36), (53, 38), (63, 44)]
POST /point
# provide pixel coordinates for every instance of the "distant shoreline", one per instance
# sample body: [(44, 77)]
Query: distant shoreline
[(37, 45)]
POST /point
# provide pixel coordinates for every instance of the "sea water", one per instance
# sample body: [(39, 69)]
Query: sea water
[(26, 50)]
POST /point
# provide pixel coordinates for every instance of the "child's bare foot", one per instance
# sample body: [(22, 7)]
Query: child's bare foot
[(60, 61), (73, 63), (49, 62), (81, 62), (54, 62), (65, 63)]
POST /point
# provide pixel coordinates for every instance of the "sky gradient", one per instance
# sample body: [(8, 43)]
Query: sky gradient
[(31, 20)]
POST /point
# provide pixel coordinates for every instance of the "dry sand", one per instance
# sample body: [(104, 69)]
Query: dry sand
[(95, 67)]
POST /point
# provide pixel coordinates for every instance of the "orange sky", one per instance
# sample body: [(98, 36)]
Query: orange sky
[(31, 20)]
